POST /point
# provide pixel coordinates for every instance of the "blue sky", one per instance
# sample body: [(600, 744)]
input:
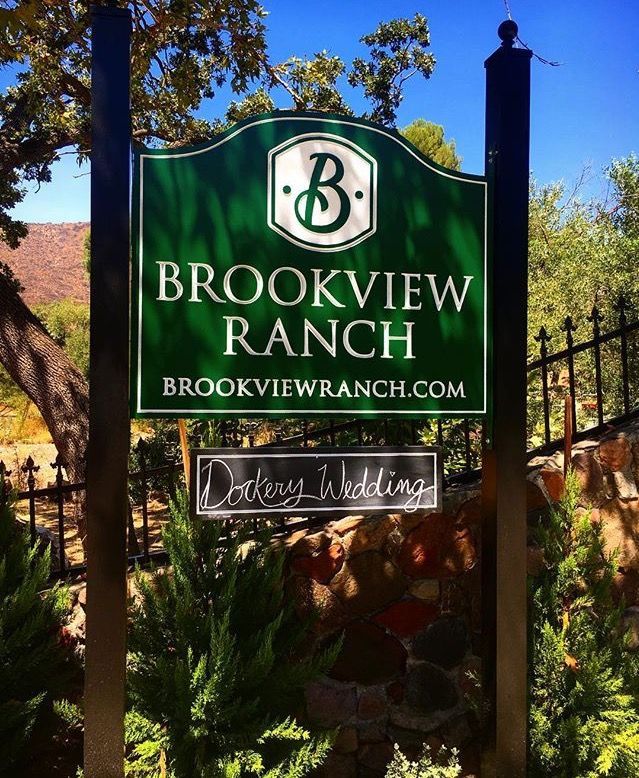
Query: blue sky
[(584, 112)]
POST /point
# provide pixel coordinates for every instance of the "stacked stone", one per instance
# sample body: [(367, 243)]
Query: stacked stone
[(608, 473), (404, 592)]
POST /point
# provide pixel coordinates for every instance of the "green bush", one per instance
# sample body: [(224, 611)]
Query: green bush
[(445, 765), (217, 663), (584, 683), (34, 658)]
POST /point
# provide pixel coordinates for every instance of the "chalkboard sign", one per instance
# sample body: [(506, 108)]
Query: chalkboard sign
[(227, 483)]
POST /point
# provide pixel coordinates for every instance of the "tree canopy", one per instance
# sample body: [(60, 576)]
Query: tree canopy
[(582, 251), (181, 55), (429, 139)]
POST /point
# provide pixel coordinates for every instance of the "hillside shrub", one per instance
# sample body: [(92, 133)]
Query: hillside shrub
[(218, 661), (583, 680), (67, 321)]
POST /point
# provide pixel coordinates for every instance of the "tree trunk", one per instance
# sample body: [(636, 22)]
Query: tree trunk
[(48, 377)]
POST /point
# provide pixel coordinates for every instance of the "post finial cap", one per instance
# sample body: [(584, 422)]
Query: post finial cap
[(507, 31)]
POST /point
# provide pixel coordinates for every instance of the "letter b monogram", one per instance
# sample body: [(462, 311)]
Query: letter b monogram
[(306, 200), (322, 192)]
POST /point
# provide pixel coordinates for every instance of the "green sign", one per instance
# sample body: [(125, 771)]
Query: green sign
[(307, 264)]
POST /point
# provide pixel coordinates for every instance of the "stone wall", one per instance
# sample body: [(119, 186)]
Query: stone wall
[(404, 592)]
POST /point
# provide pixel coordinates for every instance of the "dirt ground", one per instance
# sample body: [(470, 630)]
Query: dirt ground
[(14, 456), (47, 517)]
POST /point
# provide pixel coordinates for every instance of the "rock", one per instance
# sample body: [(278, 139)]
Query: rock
[(311, 544), (444, 643), (462, 596), (456, 496), (620, 523), (291, 540), (624, 484), (426, 589), (322, 565), (407, 617), (456, 732), (411, 721), (615, 453), (76, 624), (315, 600), (346, 741), (440, 547), (372, 731), (329, 704), (553, 480), (395, 692), (590, 477), (368, 656), (535, 499), (339, 766), (411, 742), (82, 596), (375, 756), (368, 582), (371, 705), (348, 524), (408, 521), (370, 535), (428, 689), (470, 512), (630, 625), (625, 586)]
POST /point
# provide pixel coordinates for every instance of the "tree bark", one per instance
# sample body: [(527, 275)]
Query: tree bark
[(48, 377)]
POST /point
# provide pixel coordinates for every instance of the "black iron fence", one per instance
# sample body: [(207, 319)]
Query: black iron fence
[(600, 375)]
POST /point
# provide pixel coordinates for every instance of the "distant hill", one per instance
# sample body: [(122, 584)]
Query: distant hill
[(49, 262)]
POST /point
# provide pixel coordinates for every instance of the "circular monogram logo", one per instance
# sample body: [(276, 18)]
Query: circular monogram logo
[(322, 192)]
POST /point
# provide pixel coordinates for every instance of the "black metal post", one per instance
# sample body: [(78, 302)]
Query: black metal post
[(504, 597), (623, 324), (108, 449), (30, 468), (543, 339), (596, 317), (59, 497), (569, 327)]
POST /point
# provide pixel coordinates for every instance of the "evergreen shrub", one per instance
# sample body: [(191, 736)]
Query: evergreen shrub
[(218, 661), (34, 650), (583, 680)]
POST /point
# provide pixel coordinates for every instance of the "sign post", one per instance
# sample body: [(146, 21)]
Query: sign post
[(109, 434), (504, 593)]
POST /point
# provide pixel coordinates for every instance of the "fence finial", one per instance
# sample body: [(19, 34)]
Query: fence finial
[(621, 306), (543, 337), (568, 327)]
